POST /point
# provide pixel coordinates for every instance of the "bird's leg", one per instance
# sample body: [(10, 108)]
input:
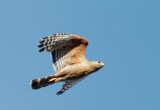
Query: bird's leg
[(57, 77), (63, 78), (52, 80), (60, 79)]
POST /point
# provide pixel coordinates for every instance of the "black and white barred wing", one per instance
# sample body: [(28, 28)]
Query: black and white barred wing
[(55, 42), (58, 45), (66, 49)]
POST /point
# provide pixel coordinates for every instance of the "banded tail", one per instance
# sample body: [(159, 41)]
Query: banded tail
[(42, 82)]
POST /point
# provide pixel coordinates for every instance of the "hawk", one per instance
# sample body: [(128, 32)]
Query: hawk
[(68, 55)]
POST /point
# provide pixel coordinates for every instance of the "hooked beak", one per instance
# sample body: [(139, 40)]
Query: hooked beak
[(103, 64)]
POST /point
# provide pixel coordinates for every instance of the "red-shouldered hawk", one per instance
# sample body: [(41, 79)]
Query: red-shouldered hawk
[(68, 55)]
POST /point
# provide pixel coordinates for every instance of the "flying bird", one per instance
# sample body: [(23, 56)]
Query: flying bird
[(69, 61)]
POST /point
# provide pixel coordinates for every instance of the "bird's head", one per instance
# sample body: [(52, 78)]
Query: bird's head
[(97, 65)]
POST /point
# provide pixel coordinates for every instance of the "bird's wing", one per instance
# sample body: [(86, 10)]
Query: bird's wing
[(68, 84), (66, 49)]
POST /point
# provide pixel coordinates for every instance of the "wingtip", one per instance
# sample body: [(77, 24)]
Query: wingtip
[(41, 42), (59, 93), (41, 50), (45, 37), (41, 45)]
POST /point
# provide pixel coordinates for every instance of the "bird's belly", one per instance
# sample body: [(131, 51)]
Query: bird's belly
[(76, 70)]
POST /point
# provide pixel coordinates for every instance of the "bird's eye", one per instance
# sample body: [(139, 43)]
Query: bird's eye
[(99, 62)]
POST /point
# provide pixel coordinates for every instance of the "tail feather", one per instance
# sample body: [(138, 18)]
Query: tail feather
[(42, 82)]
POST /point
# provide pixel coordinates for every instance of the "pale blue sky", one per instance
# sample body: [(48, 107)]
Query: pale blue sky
[(124, 34)]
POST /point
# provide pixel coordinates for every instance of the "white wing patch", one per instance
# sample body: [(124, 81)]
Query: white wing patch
[(58, 59)]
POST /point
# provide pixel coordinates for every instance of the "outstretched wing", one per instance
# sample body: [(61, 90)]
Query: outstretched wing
[(66, 49), (68, 84)]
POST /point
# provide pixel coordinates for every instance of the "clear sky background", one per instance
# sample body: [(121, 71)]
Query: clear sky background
[(124, 34)]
